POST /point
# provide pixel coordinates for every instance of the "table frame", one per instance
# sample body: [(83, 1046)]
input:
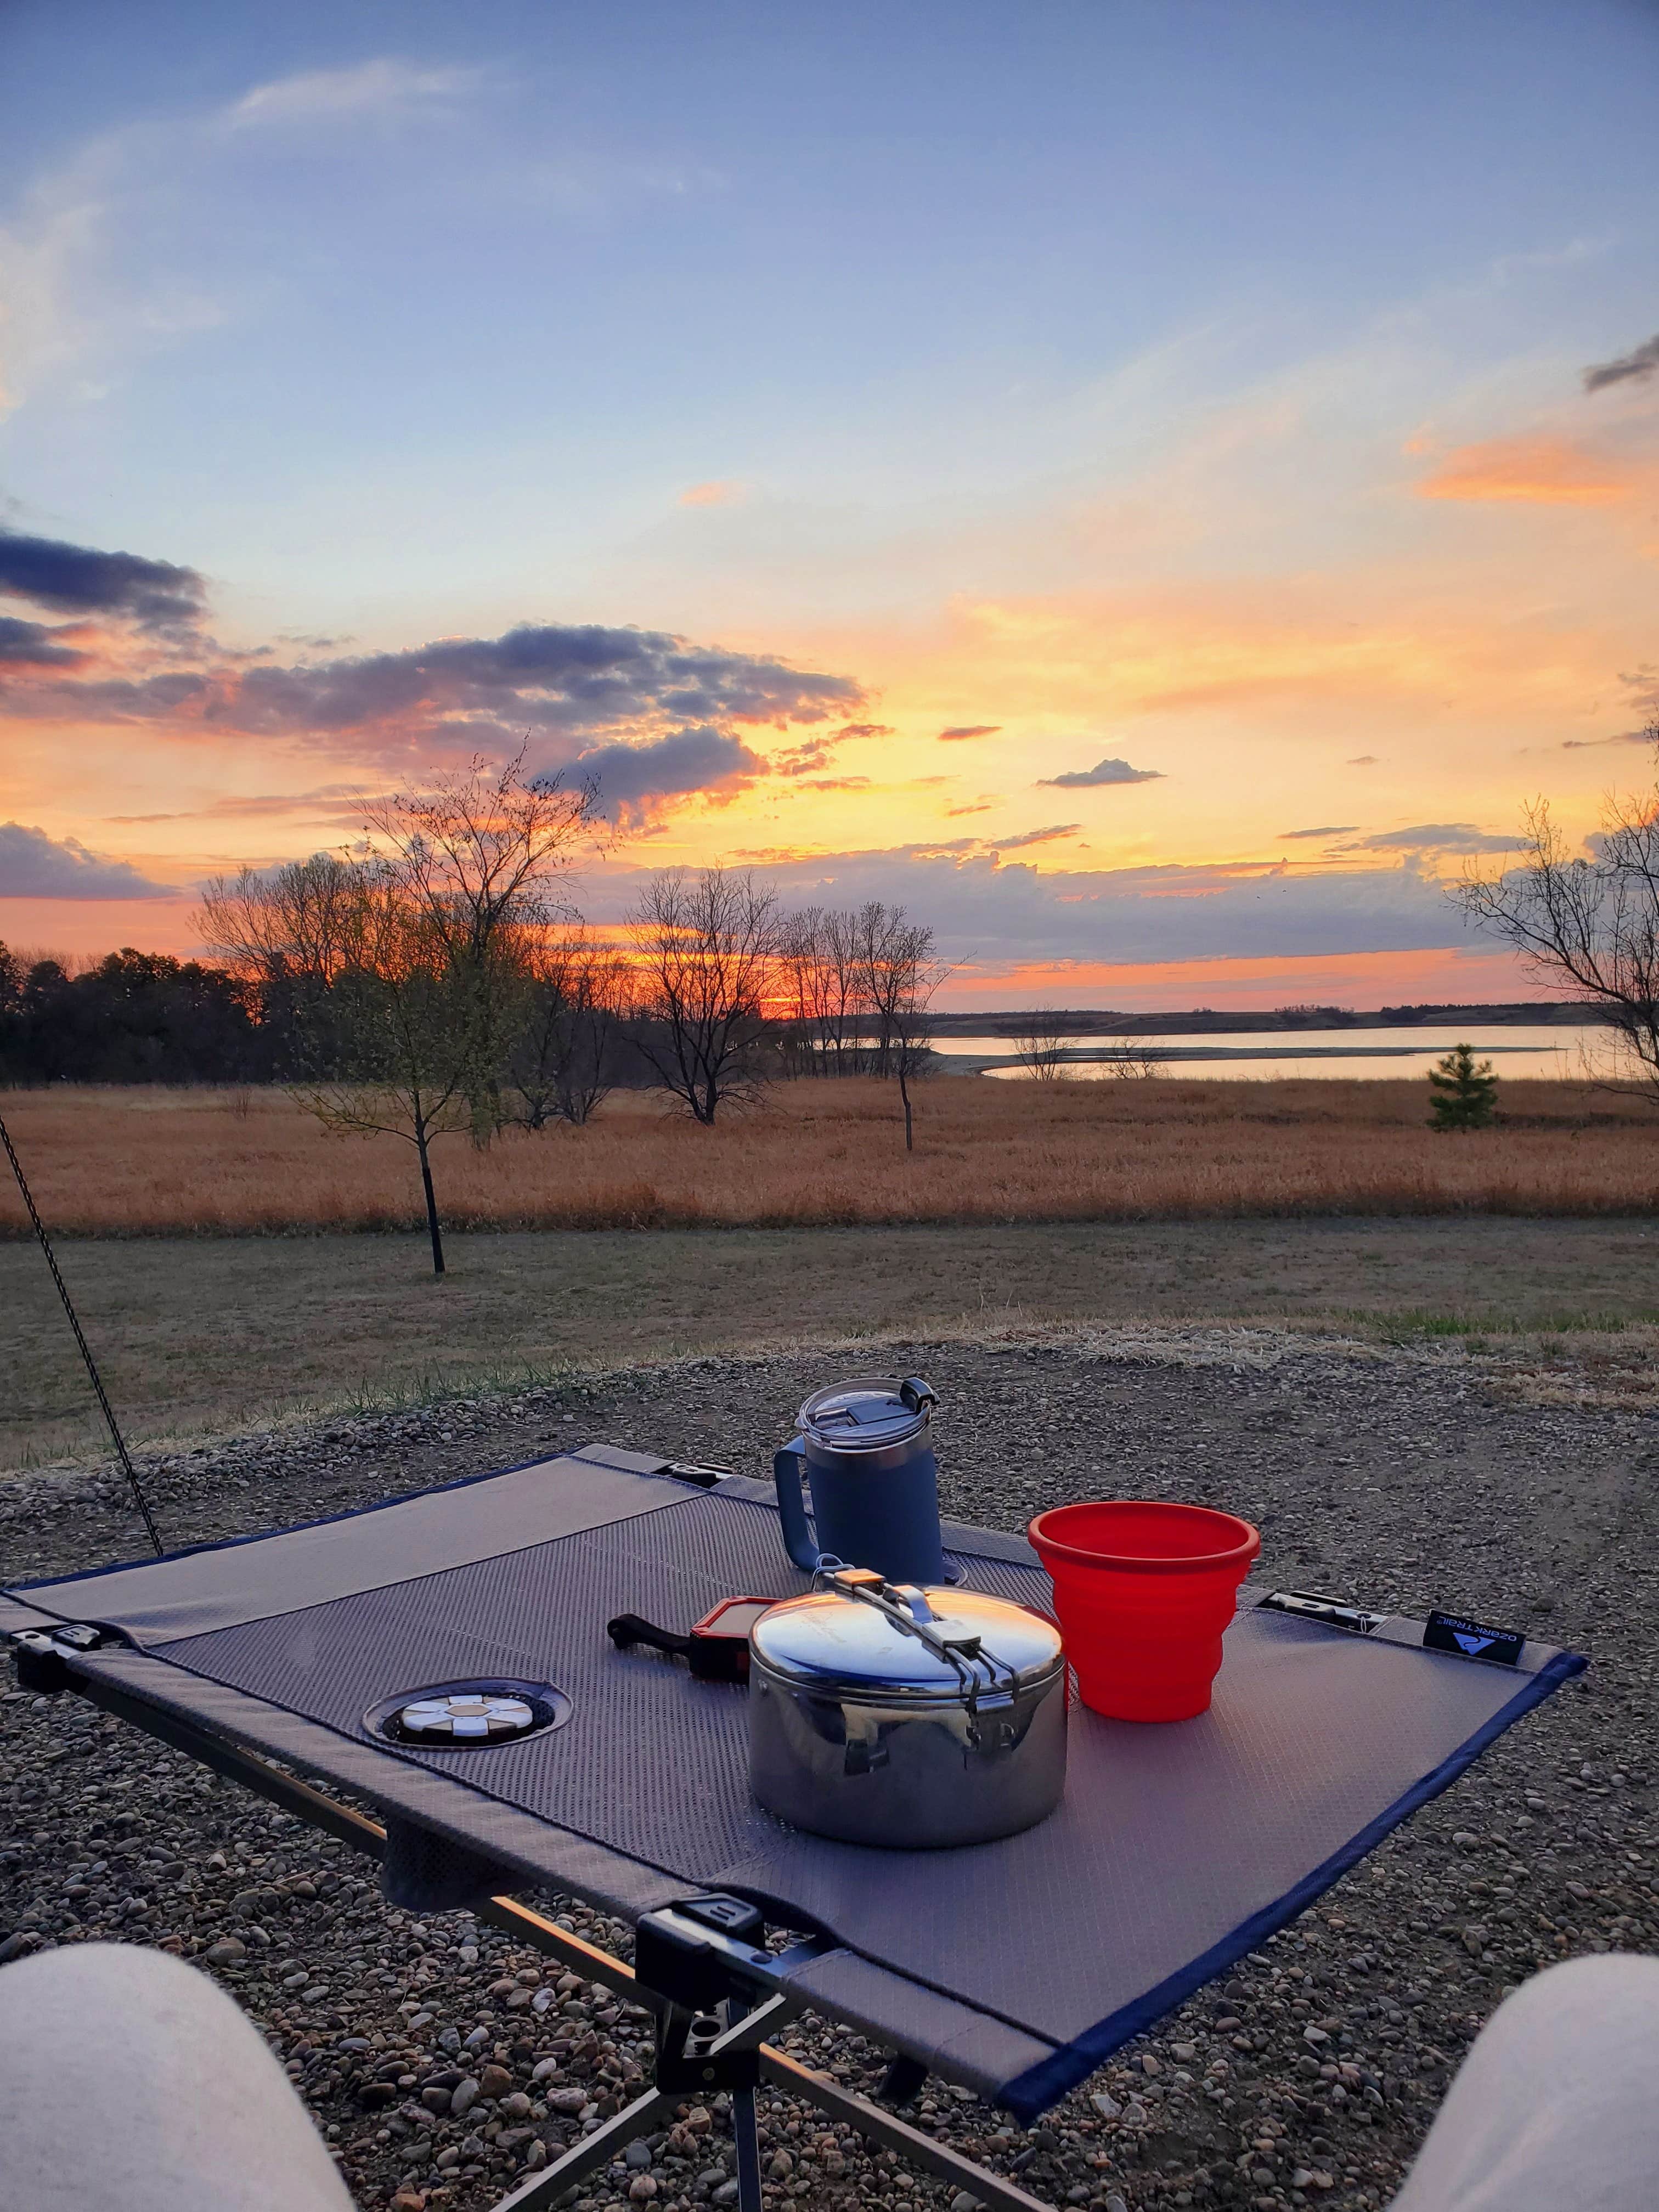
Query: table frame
[(741, 2027)]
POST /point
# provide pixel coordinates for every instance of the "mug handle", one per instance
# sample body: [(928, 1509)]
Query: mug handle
[(789, 1472)]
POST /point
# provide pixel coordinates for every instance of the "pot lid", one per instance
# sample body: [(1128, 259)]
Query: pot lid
[(867, 1413), (849, 1646)]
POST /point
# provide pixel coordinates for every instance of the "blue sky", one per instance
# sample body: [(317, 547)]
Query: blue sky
[(973, 355)]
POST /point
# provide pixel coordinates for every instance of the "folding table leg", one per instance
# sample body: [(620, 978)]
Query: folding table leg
[(592, 2152), (748, 2145)]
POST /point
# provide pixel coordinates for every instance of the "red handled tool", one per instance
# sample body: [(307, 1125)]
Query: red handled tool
[(716, 1651)]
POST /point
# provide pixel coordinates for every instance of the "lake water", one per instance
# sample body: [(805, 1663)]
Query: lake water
[(1553, 1051)]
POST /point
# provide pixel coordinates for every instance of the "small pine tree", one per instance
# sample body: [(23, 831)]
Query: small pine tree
[(1466, 1091)]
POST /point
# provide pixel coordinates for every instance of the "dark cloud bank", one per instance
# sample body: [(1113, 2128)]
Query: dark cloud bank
[(34, 866), (645, 714), (77, 580), (32, 644)]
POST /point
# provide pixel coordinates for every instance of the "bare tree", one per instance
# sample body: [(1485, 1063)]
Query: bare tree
[(563, 1063), (824, 966), (407, 1020), (899, 969), (910, 1050), (1040, 1046), (408, 960), (1589, 925), (300, 919), (894, 956), (705, 949), (1133, 1059), (479, 852), (804, 991), (288, 933)]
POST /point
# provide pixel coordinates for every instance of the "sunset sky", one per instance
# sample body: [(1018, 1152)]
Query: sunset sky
[(1153, 484)]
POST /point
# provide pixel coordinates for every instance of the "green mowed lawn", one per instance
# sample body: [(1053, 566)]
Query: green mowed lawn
[(211, 1334)]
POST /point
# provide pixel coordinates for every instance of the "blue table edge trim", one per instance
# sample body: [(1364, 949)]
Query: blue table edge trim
[(1033, 2091)]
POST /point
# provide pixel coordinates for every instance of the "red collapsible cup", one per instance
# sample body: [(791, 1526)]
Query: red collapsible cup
[(1143, 1592)]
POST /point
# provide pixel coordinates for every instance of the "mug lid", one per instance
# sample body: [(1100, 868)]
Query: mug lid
[(867, 1413)]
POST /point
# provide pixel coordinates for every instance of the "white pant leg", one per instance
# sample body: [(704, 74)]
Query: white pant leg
[(1556, 2108), (132, 2083)]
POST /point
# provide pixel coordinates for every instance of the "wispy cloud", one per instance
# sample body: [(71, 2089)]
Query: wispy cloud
[(385, 87), (1329, 829), (329, 802), (1637, 364), (718, 492), (969, 730), (1103, 772), (1438, 837), (817, 752), (35, 866), (1540, 471), (1035, 836), (1362, 760)]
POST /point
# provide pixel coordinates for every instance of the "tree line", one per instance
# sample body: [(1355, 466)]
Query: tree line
[(437, 978)]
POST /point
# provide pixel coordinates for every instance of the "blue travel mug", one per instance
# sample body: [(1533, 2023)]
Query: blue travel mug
[(864, 1450)]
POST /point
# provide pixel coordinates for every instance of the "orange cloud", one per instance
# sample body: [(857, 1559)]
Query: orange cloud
[(1443, 977), (1243, 654), (1542, 472), (717, 492)]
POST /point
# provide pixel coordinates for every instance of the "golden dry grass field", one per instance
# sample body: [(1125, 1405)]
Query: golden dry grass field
[(139, 1162)]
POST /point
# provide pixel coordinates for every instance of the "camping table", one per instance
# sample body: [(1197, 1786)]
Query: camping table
[(1013, 1968)]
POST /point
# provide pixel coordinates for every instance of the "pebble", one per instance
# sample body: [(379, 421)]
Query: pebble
[(104, 1834)]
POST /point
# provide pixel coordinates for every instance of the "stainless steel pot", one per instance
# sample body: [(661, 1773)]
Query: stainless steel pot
[(905, 1715)]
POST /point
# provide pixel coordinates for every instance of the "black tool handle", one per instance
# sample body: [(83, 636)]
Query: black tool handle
[(628, 1628)]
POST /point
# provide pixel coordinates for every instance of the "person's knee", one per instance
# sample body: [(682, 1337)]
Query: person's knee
[(83, 1984), (1574, 2008), (192, 2107), (1552, 2106)]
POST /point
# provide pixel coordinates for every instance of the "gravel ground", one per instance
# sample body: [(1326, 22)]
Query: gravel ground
[(440, 2060)]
